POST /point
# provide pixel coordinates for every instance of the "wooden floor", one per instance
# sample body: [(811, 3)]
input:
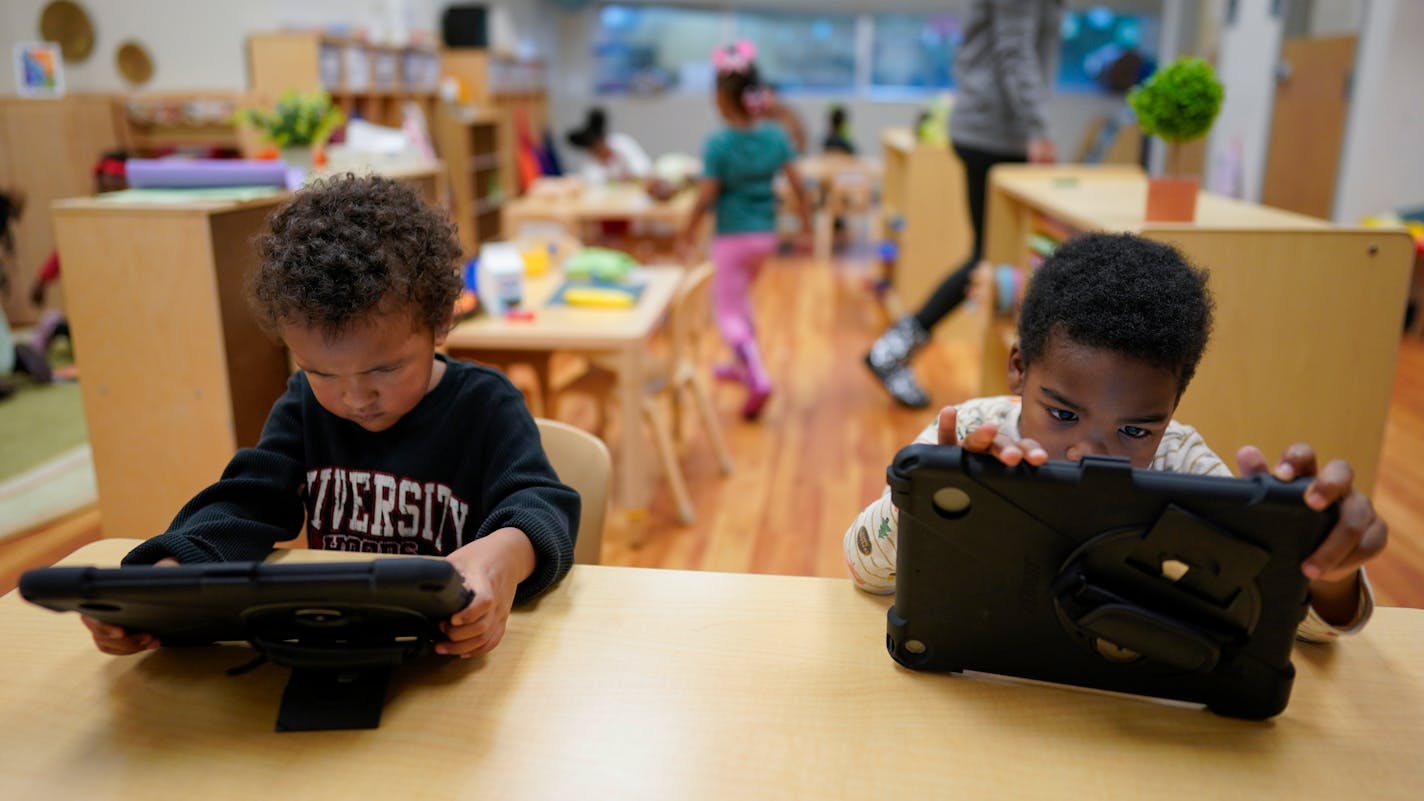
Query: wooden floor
[(818, 454)]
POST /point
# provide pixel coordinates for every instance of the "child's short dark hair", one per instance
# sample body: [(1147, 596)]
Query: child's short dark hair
[(1123, 293), (347, 247)]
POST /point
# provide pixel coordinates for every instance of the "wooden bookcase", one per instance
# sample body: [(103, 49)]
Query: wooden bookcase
[(468, 142), (365, 80), (507, 88), (1308, 314)]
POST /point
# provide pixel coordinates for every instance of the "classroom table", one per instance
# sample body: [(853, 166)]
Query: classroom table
[(617, 335), (578, 205), (633, 683)]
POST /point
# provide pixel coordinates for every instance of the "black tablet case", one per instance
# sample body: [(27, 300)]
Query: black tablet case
[(1039, 572), (341, 626)]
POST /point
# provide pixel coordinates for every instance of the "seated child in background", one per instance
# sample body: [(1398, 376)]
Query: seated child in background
[(379, 445), (838, 132), (1110, 334), (612, 156)]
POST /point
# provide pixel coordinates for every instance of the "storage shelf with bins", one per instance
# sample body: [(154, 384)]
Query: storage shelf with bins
[(366, 80), (510, 89), (469, 144)]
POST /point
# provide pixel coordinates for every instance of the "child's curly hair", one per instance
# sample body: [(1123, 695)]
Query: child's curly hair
[(347, 247), (1123, 293)]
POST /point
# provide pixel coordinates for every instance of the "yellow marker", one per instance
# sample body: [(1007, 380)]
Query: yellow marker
[(598, 296)]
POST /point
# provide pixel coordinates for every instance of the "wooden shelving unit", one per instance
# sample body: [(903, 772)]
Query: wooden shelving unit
[(468, 142), (365, 80), (507, 88)]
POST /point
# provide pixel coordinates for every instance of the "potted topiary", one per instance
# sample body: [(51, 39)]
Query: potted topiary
[(1177, 103)]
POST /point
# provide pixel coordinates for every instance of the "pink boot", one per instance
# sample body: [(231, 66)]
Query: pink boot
[(757, 381)]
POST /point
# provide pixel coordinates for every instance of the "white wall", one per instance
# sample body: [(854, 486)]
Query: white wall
[(1236, 149), (199, 44), (1381, 168)]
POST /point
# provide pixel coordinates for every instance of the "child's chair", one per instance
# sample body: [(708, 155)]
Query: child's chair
[(677, 372), (582, 462)]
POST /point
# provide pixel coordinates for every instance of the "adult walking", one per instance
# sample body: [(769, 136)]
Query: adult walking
[(1003, 74)]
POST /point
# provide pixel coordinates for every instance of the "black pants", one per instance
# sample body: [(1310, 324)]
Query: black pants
[(951, 291)]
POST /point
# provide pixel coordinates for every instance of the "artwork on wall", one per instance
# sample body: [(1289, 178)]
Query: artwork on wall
[(39, 71)]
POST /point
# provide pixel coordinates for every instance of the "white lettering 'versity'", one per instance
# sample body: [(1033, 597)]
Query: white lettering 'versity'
[(385, 492), (409, 522), (356, 508), (338, 501), (360, 482)]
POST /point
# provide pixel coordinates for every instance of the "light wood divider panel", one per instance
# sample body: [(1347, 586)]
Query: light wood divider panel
[(1306, 339), (1308, 314), (177, 375)]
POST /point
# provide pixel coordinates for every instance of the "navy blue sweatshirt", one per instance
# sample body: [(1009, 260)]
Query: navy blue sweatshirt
[(464, 462)]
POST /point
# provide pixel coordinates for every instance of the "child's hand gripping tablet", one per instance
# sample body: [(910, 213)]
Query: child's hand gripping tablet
[(492, 568), (1358, 536), (117, 640)]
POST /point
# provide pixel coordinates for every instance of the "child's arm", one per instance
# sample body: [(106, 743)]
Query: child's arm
[(1339, 593), (522, 492), (707, 191), (493, 567), (526, 542), (798, 190)]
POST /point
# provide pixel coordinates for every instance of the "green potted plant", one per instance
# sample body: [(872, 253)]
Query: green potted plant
[(1178, 103), (298, 124)]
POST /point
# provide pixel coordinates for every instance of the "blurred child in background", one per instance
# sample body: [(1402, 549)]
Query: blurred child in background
[(740, 162)]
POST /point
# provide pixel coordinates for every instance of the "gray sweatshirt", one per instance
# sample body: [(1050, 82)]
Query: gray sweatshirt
[(1003, 73)]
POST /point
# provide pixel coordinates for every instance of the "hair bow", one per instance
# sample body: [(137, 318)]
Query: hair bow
[(735, 57)]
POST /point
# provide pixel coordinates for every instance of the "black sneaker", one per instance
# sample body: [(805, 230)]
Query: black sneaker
[(896, 345), (900, 382)]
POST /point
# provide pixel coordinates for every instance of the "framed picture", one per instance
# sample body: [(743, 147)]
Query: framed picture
[(39, 70)]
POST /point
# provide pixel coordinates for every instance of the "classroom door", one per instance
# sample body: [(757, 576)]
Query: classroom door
[(1308, 123)]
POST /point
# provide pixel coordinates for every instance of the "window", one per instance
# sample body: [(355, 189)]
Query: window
[(800, 51), (1106, 50), (649, 49), (914, 52)]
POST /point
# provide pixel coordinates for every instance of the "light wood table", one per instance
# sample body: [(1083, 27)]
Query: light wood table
[(615, 335), (1308, 314), (591, 204), (628, 683)]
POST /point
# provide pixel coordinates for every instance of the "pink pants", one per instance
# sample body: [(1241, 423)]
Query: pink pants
[(739, 259)]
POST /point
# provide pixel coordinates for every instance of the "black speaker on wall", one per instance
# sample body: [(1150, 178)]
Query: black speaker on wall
[(465, 26)]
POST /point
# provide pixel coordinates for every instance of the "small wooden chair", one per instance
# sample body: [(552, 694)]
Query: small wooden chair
[(582, 462), (677, 373)]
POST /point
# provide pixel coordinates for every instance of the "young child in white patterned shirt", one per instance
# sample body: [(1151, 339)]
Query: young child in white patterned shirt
[(1110, 334)]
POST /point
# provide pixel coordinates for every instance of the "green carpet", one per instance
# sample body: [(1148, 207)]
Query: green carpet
[(38, 423), (45, 467)]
